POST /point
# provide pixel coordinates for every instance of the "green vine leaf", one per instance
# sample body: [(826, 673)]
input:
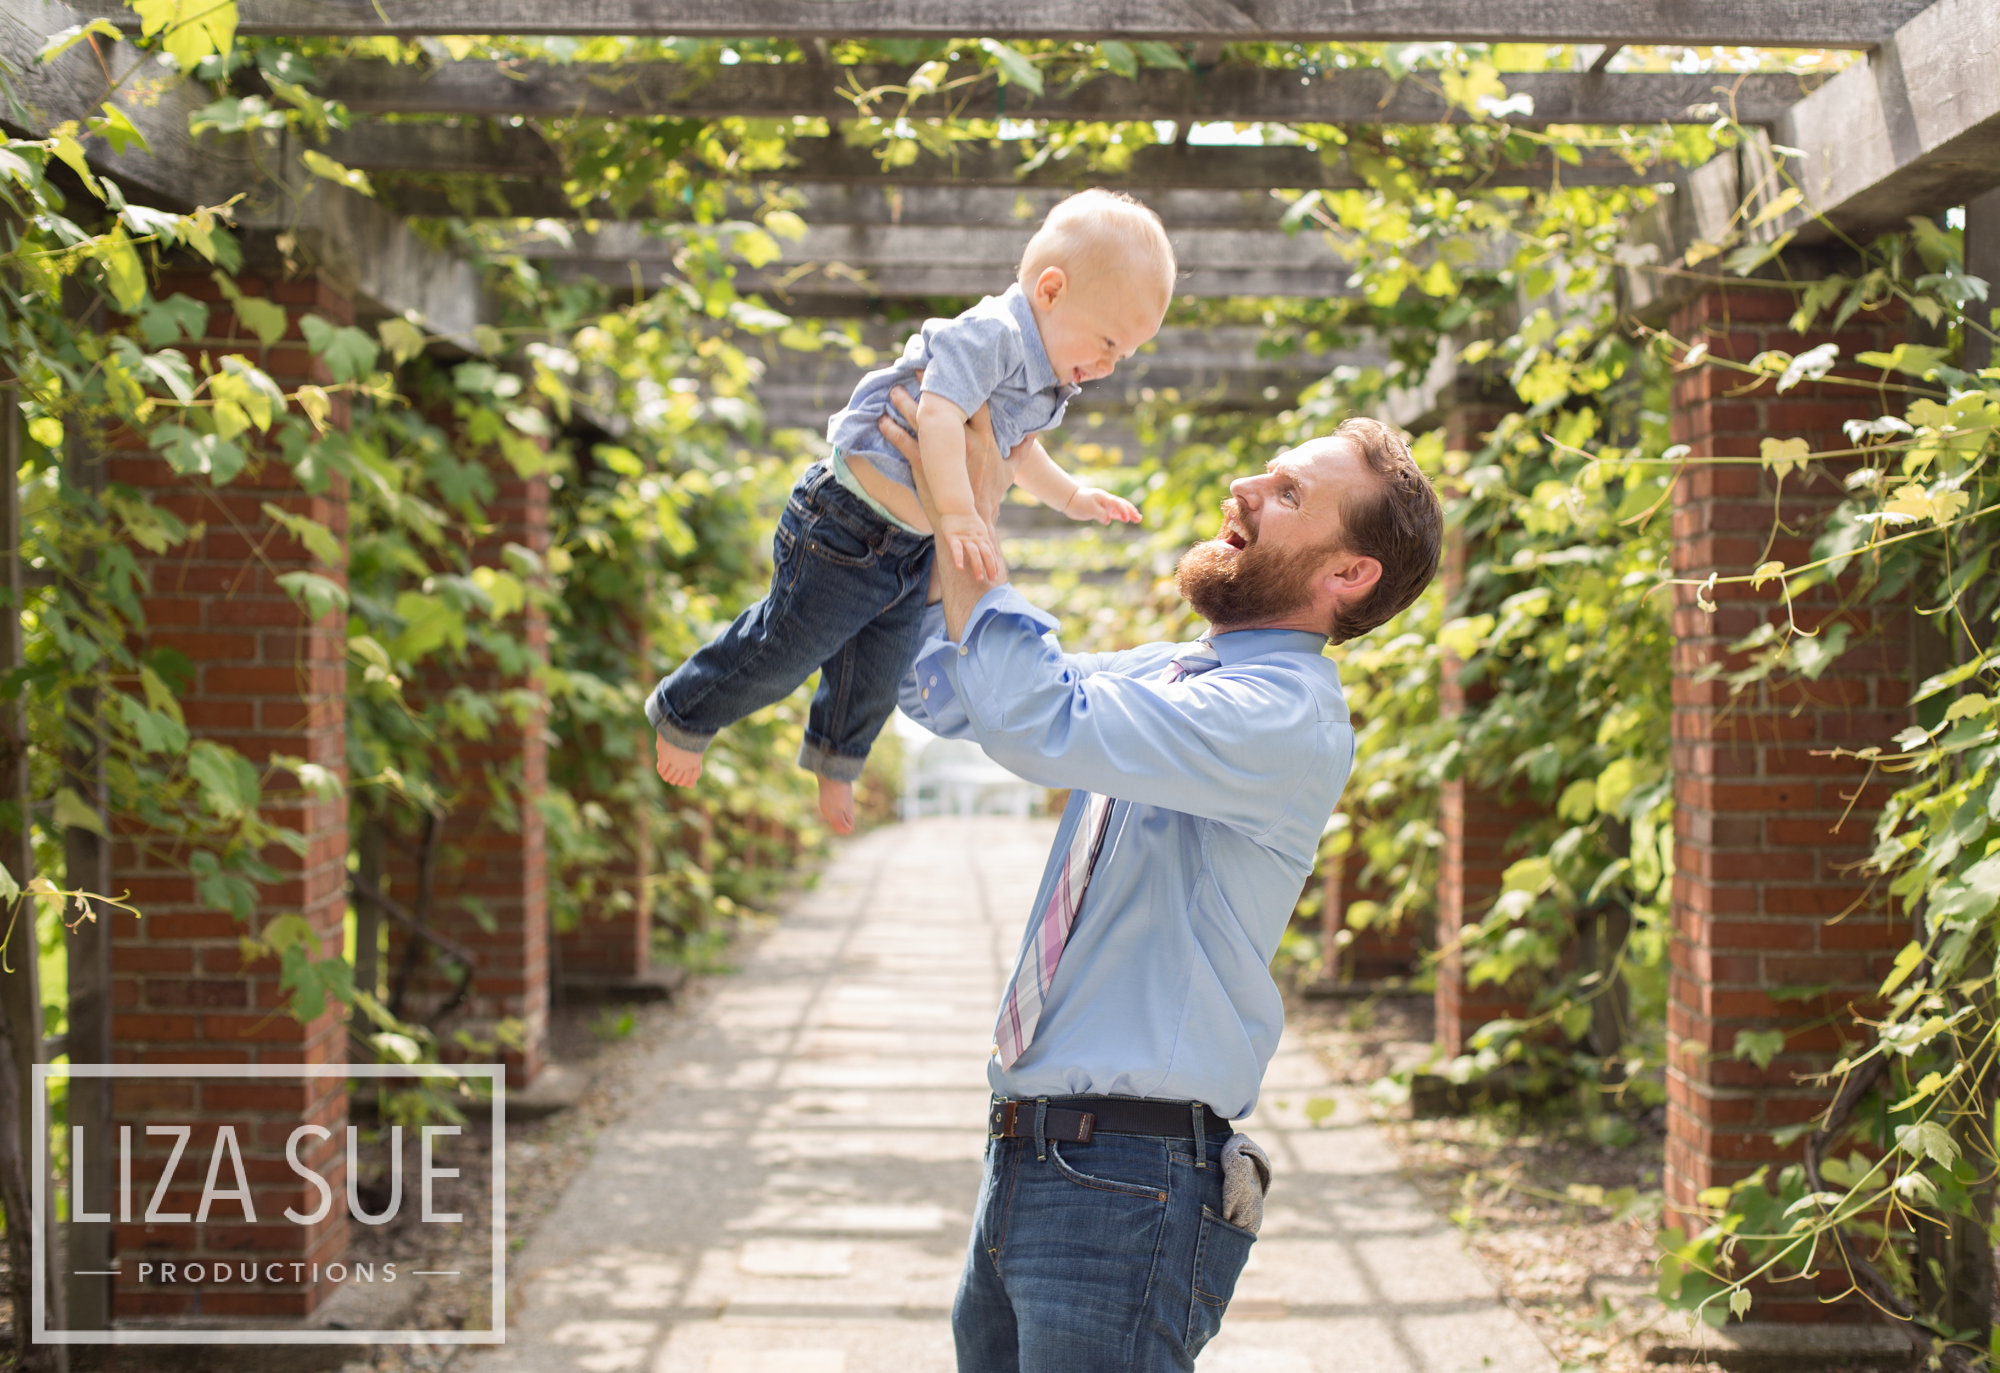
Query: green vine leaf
[(349, 353), (1928, 1139), (227, 779), (264, 318), (320, 165), (73, 812), (165, 321), (1759, 1046), (62, 40), (192, 453), (124, 274), (320, 596), (189, 30), (1014, 65)]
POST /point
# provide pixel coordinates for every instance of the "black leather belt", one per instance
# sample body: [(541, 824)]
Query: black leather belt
[(1075, 1119)]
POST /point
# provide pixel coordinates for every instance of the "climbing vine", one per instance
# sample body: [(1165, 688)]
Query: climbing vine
[(639, 411)]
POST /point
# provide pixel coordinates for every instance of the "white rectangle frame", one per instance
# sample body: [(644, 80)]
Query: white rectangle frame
[(496, 1073)]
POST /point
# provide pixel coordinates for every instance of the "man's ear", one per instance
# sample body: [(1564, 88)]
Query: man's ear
[(1349, 578), (1049, 287)]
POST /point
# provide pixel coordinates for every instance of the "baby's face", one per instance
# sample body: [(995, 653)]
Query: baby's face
[(1088, 328)]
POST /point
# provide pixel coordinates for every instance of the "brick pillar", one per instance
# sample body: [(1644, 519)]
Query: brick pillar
[(1478, 823), (264, 680), (612, 941), (491, 855), (1765, 895)]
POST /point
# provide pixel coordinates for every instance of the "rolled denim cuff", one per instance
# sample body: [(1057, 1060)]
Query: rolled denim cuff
[(824, 762), (656, 714)]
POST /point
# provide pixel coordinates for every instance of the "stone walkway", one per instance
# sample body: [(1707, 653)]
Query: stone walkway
[(793, 1192)]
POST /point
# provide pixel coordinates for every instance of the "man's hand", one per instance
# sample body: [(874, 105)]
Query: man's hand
[(1095, 503), (962, 586)]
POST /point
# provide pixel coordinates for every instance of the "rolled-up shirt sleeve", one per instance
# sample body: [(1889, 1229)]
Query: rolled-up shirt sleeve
[(1230, 745), (927, 695)]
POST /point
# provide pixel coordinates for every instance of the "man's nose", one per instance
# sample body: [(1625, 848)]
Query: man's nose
[(1244, 489)]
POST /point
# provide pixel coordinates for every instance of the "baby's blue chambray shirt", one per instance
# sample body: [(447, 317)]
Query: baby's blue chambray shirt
[(1222, 786), (991, 355)]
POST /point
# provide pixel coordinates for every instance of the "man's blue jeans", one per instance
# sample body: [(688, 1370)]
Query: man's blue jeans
[(1110, 1257), (846, 599)]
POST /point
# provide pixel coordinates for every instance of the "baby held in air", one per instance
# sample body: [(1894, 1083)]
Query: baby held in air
[(854, 546)]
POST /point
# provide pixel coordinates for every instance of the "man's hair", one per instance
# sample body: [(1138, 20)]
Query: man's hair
[(1398, 521), (1096, 234)]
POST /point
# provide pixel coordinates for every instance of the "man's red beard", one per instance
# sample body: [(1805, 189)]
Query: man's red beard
[(1248, 586)]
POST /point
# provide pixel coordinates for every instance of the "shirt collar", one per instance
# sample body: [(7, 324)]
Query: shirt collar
[(1041, 376), (1239, 645)]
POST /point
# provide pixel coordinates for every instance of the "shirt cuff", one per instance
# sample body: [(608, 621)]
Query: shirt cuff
[(929, 682), (963, 672)]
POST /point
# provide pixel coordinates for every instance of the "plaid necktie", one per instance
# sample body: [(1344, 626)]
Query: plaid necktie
[(1037, 970)]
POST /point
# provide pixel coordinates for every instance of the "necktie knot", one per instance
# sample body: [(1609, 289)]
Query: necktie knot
[(1192, 661)]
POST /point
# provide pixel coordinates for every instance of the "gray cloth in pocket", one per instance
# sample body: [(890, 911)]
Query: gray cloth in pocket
[(1246, 1177)]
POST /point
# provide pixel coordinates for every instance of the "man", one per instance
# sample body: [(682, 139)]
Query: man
[(1142, 1014)]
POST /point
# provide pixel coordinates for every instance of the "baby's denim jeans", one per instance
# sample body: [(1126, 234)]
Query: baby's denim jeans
[(847, 598), (1107, 1255)]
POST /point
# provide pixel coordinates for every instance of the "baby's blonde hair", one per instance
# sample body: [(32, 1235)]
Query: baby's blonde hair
[(1095, 234)]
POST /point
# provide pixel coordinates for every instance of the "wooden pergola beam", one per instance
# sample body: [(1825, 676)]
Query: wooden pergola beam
[(1217, 368), (1220, 187), (931, 280), (1762, 23), (871, 261), (1366, 95), (1913, 130), (361, 244), (528, 172)]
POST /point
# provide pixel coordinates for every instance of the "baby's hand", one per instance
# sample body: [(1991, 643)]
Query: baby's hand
[(1095, 503), (970, 543)]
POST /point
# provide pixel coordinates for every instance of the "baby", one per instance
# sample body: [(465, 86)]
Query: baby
[(854, 548)]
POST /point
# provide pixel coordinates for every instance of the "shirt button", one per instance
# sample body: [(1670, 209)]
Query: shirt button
[(925, 693), (964, 649), (933, 679)]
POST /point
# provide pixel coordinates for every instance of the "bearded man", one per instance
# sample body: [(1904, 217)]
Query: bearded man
[(1142, 1014)]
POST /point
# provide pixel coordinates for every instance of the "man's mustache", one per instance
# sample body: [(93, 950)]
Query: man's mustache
[(1233, 518)]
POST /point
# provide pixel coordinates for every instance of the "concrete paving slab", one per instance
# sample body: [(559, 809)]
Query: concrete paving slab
[(792, 1190)]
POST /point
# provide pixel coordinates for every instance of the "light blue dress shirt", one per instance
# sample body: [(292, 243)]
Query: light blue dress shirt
[(991, 355), (1223, 785)]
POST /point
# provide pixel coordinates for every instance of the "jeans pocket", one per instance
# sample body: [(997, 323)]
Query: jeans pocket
[(1219, 1255), (1150, 1191), (830, 540)]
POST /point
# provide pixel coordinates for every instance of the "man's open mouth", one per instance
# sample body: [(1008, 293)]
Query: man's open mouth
[(1232, 538)]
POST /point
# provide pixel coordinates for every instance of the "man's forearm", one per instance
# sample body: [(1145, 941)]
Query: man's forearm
[(962, 586), (962, 591)]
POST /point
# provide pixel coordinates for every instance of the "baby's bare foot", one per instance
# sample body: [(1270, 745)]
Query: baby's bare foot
[(679, 766), (836, 804)]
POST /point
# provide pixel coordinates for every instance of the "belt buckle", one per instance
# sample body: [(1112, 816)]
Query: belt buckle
[(1003, 1118)]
